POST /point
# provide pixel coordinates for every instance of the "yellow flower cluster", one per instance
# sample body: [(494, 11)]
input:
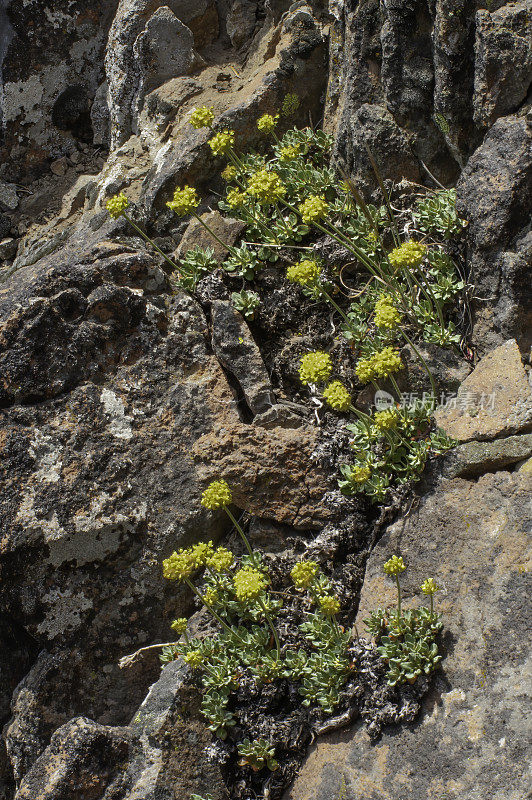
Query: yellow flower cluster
[(229, 173), (202, 117), (267, 123), (329, 605), (200, 553), (313, 208), (289, 105), (182, 564), (429, 587), (394, 566), (178, 566), (289, 152), (409, 254), (179, 625), (379, 365), (385, 420), (221, 560), (216, 495), (266, 186), (248, 583), (194, 659), (337, 396), (210, 597), (184, 201), (222, 142), (303, 574), (235, 198), (305, 273), (361, 474), (315, 367), (386, 314), (117, 205)]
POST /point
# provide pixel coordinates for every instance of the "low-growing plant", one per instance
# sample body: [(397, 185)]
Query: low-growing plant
[(407, 640), (246, 302), (236, 591)]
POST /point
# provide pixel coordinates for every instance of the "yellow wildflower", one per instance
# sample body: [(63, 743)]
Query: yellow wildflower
[(217, 495), (117, 205), (409, 254), (337, 396), (315, 367), (222, 142), (313, 208), (305, 273), (202, 117), (266, 186), (185, 200)]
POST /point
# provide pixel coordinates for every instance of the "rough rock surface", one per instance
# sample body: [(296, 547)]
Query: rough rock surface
[(494, 400), (106, 445), (474, 538), (120, 400), (492, 193)]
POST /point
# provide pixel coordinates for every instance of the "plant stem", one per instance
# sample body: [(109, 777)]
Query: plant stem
[(336, 306), (270, 623), (241, 532), (395, 386), (213, 234), (398, 597), (150, 241), (212, 612), (425, 365)]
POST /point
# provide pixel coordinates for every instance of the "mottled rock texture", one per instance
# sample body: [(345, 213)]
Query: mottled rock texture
[(470, 742), (119, 400), (493, 401)]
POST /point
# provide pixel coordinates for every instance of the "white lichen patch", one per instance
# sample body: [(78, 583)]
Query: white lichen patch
[(48, 458), (65, 612), (120, 422)]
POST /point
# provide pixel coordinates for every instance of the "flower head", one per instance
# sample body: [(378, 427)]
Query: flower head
[(385, 420), (429, 586), (222, 142), (229, 173), (361, 474), (178, 566), (202, 117), (200, 553), (117, 205), (179, 625), (194, 659), (266, 186), (315, 367), (387, 361), (313, 208), (217, 495), (248, 583), (409, 254), (303, 573), (378, 365), (290, 104), (184, 201), (221, 560), (289, 153), (329, 605), (210, 596), (337, 396), (235, 198), (386, 314), (365, 369), (305, 273), (267, 123), (394, 566)]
